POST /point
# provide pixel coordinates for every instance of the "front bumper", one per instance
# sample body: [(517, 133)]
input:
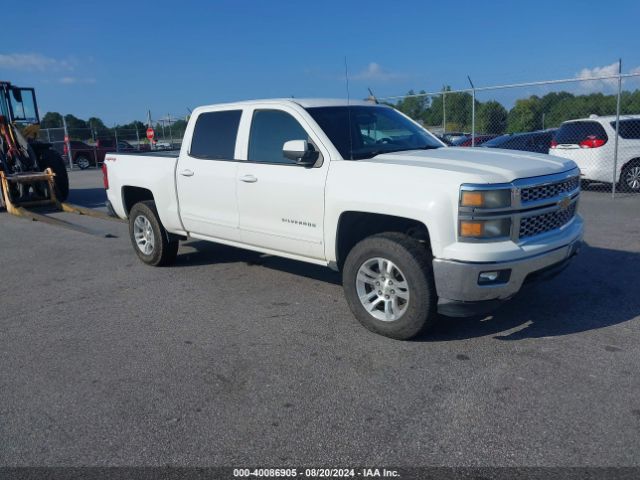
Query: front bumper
[(460, 294)]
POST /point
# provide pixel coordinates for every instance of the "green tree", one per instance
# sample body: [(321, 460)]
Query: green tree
[(75, 123), (96, 123), (51, 120), (525, 116), (458, 110), (491, 118), (414, 107)]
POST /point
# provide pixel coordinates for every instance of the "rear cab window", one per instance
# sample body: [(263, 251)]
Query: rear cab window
[(214, 135), (573, 133)]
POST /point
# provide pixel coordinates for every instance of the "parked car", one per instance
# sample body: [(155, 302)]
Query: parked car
[(443, 139), (82, 154), (590, 142), (450, 137), (415, 227), (538, 142), (467, 141), (110, 145)]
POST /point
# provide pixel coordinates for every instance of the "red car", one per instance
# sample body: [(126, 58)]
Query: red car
[(84, 155)]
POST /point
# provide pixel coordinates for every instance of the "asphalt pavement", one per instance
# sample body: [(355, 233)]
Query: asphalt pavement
[(232, 358)]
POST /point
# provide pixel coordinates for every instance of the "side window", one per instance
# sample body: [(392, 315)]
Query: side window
[(270, 129), (214, 136), (629, 129)]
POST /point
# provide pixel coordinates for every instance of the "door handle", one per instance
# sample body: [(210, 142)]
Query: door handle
[(249, 179), (187, 173)]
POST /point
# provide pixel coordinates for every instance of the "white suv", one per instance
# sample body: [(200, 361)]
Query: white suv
[(590, 142)]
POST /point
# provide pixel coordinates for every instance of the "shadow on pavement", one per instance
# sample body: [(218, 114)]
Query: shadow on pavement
[(597, 290), (207, 253), (88, 197)]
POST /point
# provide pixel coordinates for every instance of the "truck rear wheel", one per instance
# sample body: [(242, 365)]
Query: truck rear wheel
[(150, 240), (388, 283)]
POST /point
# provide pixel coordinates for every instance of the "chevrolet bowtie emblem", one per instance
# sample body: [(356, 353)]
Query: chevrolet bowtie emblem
[(564, 203)]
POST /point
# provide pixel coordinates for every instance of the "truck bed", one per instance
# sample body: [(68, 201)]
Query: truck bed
[(152, 172), (152, 153)]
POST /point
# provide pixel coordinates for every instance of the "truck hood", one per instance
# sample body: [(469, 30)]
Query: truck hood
[(491, 164)]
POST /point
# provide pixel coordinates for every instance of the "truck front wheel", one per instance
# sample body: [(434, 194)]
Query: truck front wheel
[(150, 240), (388, 283)]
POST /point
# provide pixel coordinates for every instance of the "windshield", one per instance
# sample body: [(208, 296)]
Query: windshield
[(23, 105), (363, 132)]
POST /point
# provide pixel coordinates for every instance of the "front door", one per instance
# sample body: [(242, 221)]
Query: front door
[(281, 204)]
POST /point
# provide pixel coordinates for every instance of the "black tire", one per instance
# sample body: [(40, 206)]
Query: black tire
[(83, 162), (52, 159), (629, 177), (414, 261), (164, 250)]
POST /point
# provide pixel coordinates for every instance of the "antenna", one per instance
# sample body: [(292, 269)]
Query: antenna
[(346, 78), (372, 97)]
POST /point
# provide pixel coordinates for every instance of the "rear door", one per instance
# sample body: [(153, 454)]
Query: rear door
[(206, 176), (281, 204)]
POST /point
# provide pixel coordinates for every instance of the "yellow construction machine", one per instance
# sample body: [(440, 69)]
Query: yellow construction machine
[(31, 172)]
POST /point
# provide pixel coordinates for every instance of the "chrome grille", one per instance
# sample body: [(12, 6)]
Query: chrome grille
[(541, 192), (537, 224)]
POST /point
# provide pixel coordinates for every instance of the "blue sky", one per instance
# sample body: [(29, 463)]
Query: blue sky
[(116, 59)]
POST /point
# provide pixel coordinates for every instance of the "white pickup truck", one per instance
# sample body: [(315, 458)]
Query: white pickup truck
[(415, 227)]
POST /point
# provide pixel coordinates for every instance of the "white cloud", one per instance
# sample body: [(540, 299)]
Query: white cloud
[(374, 71), (75, 80), (604, 84), (33, 62)]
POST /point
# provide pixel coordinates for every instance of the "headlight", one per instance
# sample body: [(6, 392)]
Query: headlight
[(486, 198), (485, 229)]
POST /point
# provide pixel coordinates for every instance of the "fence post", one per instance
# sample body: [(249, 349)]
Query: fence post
[(473, 112), (473, 117), (67, 142), (444, 112), (615, 148), (137, 138), (115, 134)]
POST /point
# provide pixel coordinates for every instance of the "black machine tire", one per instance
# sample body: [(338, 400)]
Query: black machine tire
[(83, 162), (163, 250), (413, 261), (52, 159)]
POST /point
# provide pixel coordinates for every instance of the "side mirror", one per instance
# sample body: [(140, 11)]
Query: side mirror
[(300, 151)]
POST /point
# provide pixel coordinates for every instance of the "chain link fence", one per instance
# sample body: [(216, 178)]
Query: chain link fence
[(593, 121), (86, 147)]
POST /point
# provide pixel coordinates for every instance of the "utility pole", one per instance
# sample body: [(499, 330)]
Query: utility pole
[(615, 147)]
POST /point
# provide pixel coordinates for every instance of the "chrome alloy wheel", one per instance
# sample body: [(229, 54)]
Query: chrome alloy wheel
[(632, 178), (382, 289), (83, 163), (143, 234)]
